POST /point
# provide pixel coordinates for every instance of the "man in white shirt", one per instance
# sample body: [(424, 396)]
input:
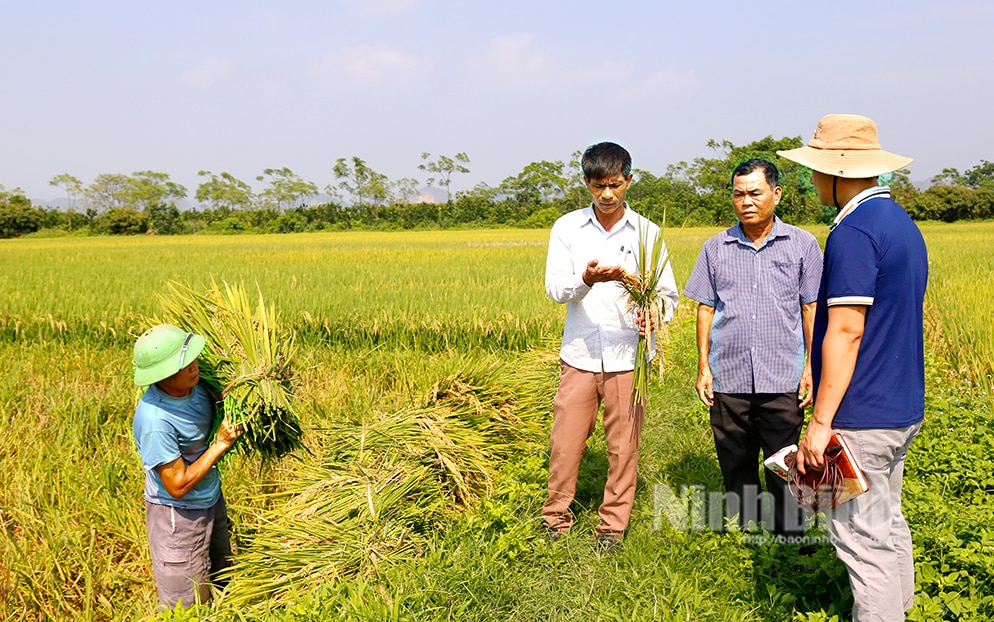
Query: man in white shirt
[(589, 251)]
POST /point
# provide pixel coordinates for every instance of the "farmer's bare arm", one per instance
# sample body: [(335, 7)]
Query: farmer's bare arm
[(180, 479), (804, 392), (839, 350), (705, 380)]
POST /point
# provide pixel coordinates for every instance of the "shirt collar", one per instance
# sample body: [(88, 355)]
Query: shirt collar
[(736, 234), (628, 219), (859, 199)]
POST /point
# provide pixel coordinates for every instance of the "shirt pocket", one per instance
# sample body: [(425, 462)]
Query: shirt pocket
[(784, 278)]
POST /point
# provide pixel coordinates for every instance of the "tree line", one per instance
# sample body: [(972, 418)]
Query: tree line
[(695, 193)]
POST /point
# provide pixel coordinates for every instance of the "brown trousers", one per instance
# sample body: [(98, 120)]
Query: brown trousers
[(574, 419)]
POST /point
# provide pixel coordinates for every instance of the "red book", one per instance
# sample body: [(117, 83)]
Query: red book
[(855, 482), (852, 482)]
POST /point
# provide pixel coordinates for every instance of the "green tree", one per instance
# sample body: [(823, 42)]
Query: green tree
[(17, 220), (677, 192), (984, 207), (164, 218), (980, 176), (541, 219), (148, 188), (224, 192), (957, 196), (443, 168), (366, 186), (672, 200), (477, 204), (406, 190), (73, 188), (291, 221), (121, 221), (17, 215), (285, 190), (538, 183), (712, 178), (948, 177), (954, 202), (902, 189), (13, 197), (108, 191), (945, 203), (577, 195)]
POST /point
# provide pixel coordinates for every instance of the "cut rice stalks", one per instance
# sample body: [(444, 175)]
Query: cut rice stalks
[(247, 363), (386, 483), (641, 288)]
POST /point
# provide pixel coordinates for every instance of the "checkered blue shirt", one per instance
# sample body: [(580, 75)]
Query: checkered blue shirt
[(757, 341)]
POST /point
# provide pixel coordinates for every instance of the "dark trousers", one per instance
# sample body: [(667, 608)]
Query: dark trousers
[(744, 423)]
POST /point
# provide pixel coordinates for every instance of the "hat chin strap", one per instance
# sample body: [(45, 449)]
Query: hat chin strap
[(835, 191)]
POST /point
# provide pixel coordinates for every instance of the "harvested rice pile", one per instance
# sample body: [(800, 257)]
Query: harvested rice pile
[(386, 482)]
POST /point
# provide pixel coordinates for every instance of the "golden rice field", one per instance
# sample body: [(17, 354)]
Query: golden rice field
[(959, 302), (384, 319), (372, 283)]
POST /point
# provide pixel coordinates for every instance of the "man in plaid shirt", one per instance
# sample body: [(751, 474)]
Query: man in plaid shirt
[(757, 283)]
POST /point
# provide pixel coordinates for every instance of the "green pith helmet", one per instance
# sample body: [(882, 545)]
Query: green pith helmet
[(162, 351)]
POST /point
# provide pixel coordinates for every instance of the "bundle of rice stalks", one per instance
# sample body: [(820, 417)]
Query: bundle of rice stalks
[(385, 485), (335, 524), (642, 290), (247, 364)]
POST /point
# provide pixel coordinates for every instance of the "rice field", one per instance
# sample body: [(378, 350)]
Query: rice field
[(406, 341), (959, 303)]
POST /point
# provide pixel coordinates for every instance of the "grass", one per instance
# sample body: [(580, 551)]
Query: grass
[(382, 320)]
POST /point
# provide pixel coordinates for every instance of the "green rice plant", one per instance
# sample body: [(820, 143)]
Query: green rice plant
[(441, 287), (71, 538), (247, 363), (643, 296)]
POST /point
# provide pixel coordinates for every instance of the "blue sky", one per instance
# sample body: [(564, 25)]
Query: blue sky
[(117, 87)]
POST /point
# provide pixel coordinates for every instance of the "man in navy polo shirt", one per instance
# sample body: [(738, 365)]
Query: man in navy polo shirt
[(868, 355)]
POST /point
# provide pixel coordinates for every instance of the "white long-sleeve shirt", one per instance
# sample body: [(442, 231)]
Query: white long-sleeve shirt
[(600, 333)]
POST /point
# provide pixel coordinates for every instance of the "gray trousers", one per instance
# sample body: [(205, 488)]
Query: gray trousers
[(869, 532), (188, 548)]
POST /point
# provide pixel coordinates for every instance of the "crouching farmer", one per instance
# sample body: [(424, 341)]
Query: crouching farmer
[(184, 508)]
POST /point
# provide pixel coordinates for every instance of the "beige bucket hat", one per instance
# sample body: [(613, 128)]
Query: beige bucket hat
[(846, 145)]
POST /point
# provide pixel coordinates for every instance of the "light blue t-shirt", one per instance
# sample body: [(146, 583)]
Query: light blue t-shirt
[(166, 428)]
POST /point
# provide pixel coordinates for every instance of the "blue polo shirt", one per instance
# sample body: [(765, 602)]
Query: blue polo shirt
[(166, 428), (757, 341), (875, 256)]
